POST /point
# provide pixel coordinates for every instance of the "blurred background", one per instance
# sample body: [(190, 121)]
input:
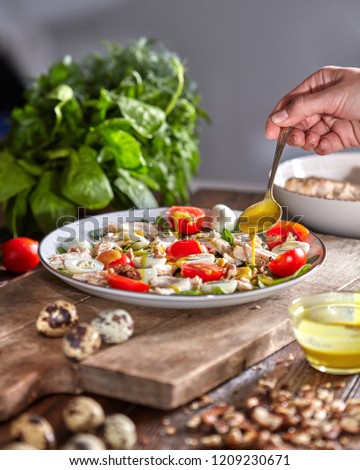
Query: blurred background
[(244, 55)]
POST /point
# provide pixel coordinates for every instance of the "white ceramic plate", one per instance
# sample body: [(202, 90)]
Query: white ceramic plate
[(330, 216), (81, 229)]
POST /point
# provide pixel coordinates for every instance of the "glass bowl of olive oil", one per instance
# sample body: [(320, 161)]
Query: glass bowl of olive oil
[(327, 327)]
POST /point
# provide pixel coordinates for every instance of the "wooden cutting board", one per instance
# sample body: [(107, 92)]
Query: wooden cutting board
[(174, 355)]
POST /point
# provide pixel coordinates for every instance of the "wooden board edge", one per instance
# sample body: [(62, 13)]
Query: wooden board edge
[(168, 395)]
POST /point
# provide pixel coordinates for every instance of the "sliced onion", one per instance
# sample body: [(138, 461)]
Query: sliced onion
[(147, 261), (207, 258), (219, 287), (148, 274), (140, 243), (291, 245)]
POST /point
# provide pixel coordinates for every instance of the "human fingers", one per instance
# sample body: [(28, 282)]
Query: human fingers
[(315, 82), (314, 134), (303, 108), (329, 143), (296, 138)]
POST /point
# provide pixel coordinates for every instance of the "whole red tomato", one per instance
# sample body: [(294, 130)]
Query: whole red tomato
[(288, 263), (20, 254)]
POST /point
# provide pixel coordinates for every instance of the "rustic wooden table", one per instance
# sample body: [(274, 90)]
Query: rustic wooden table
[(285, 370)]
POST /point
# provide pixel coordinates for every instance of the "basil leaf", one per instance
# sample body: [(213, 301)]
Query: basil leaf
[(13, 179), (49, 208), (84, 182), (227, 236)]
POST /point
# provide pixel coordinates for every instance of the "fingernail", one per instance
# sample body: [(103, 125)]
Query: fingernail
[(280, 116)]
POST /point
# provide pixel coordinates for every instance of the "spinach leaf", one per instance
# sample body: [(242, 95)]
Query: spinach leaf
[(17, 212), (119, 128), (49, 208), (125, 149), (13, 179), (84, 182), (144, 118), (135, 190)]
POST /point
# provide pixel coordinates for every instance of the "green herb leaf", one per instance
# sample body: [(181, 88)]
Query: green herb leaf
[(227, 236), (84, 182), (135, 190), (137, 110), (264, 280), (17, 212), (13, 179), (50, 209), (145, 119), (125, 149), (312, 259)]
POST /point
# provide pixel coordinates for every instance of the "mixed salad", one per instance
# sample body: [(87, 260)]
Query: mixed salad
[(186, 252)]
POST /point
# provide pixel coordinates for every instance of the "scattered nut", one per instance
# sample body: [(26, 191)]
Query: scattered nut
[(265, 419), (191, 441), (84, 442), (170, 430), (118, 432), (18, 445), (114, 326), (350, 425), (83, 414), (56, 318), (34, 430), (81, 341), (211, 442), (194, 422)]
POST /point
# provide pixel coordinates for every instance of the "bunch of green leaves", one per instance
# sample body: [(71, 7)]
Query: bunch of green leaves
[(119, 129)]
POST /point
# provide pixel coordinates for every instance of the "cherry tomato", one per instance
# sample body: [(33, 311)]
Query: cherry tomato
[(122, 260), (280, 232), (288, 263), (183, 248), (125, 283), (186, 220), (206, 272), (20, 254)]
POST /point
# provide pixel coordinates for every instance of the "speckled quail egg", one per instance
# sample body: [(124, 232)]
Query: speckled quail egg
[(114, 326), (56, 318), (81, 341), (84, 442), (223, 217), (83, 414), (34, 430), (118, 432)]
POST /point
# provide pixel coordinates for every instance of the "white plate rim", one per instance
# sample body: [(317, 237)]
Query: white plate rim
[(157, 300)]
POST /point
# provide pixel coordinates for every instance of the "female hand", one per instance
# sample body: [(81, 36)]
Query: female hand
[(324, 110)]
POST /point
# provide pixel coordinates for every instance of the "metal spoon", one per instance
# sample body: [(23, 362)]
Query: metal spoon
[(263, 215)]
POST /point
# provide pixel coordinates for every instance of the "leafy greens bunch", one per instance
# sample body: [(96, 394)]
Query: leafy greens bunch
[(118, 129)]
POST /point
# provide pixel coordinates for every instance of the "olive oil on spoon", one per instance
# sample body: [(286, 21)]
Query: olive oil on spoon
[(263, 215)]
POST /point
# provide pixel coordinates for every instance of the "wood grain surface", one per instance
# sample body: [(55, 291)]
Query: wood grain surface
[(153, 425), (174, 356)]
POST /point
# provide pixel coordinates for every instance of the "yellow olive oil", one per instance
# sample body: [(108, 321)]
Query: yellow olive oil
[(329, 333)]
